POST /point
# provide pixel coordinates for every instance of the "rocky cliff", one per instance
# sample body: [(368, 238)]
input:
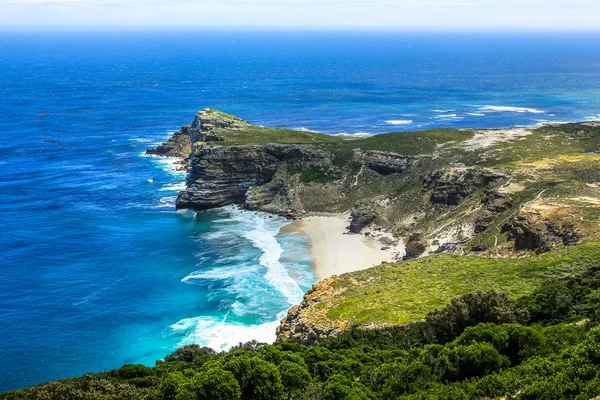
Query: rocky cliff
[(244, 174), (500, 193), (459, 190)]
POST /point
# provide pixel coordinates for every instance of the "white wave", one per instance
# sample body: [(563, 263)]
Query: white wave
[(520, 110), (276, 275), (218, 273), (448, 116), (476, 114), (186, 213), (400, 121), (443, 111), (173, 187), (141, 140), (593, 118), (168, 201), (219, 334), (150, 180), (168, 164), (303, 129)]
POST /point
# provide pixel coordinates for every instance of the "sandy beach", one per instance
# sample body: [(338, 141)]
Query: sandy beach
[(336, 251)]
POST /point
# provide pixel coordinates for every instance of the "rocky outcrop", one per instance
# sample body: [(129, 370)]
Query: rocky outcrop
[(178, 146), (362, 215), (495, 203), (307, 322), (542, 229), (222, 175), (414, 246), (451, 186), (277, 197), (385, 163), (206, 127), (209, 123)]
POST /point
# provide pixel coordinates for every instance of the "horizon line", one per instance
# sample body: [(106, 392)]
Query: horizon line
[(266, 29)]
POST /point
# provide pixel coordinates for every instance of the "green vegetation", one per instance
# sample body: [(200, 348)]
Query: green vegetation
[(483, 345), (406, 143), (222, 114), (312, 176), (411, 143), (400, 293), (273, 135)]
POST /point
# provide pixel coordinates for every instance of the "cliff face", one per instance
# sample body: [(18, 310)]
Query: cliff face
[(443, 190), (222, 175), (178, 146), (204, 128)]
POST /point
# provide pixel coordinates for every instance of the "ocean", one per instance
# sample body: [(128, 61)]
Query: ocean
[(97, 269)]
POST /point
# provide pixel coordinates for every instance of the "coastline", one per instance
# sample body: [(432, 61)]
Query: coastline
[(336, 251)]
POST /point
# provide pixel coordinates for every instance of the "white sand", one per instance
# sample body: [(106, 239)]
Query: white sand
[(491, 137), (336, 251)]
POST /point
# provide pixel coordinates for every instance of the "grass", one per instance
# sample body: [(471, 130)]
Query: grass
[(274, 135), (223, 114), (547, 142), (405, 292), (406, 143), (412, 143)]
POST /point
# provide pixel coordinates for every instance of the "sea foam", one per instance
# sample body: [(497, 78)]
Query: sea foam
[(400, 121), (520, 110), (243, 273), (264, 239), (220, 334)]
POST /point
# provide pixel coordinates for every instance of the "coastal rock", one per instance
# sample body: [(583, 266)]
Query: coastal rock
[(206, 127), (363, 214), (208, 124), (451, 186), (385, 163), (495, 203), (277, 197), (305, 322), (414, 247), (222, 175), (448, 248), (542, 228), (178, 146)]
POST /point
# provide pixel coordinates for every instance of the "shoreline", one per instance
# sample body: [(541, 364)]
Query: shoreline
[(336, 251)]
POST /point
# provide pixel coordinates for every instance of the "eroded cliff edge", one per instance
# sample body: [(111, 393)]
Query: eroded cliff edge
[(494, 193)]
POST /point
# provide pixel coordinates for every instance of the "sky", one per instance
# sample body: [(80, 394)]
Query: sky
[(395, 15)]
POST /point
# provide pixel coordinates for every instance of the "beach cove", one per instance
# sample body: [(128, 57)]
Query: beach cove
[(336, 251)]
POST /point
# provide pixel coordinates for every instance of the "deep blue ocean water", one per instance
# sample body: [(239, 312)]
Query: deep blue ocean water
[(96, 267)]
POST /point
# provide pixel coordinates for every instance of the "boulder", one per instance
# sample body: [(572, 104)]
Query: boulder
[(363, 214)]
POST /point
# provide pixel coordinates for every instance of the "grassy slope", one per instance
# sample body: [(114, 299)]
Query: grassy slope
[(406, 143), (405, 292)]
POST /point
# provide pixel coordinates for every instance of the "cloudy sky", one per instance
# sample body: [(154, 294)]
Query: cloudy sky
[(306, 14)]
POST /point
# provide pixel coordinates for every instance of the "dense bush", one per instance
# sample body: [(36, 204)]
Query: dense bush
[(482, 345)]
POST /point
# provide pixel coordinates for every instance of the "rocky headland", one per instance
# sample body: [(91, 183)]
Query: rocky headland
[(508, 193)]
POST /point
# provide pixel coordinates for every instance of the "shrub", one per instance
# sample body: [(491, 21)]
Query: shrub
[(472, 309), (213, 384), (189, 353)]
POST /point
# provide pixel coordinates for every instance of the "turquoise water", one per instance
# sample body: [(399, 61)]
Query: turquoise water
[(98, 269)]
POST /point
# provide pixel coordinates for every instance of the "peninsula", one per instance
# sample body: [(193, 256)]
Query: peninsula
[(455, 264)]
